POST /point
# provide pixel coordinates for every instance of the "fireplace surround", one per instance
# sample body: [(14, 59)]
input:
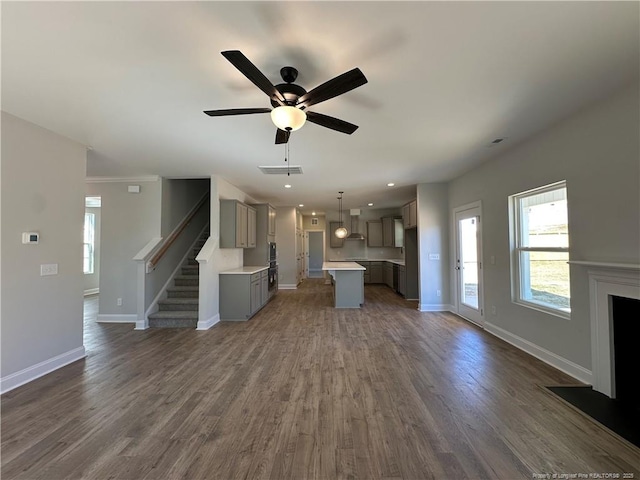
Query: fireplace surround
[(607, 280)]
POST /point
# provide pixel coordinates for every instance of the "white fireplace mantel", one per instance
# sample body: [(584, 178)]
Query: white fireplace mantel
[(607, 280)]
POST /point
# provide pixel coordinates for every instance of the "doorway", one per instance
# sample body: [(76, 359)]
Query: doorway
[(91, 245), (469, 300), (315, 253)]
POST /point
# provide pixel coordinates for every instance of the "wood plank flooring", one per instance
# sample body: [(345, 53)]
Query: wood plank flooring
[(300, 391)]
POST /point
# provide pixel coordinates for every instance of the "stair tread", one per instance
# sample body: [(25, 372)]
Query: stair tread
[(177, 314), (183, 276), (183, 288)]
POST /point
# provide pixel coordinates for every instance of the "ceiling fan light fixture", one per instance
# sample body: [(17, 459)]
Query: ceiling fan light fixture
[(288, 118)]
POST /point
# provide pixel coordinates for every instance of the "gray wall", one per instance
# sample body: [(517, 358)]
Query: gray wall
[(179, 196), (433, 238), (128, 221), (92, 280), (596, 151), (43, 191), (286, 245)]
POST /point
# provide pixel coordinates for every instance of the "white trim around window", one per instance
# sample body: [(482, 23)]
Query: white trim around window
[(539, 240)]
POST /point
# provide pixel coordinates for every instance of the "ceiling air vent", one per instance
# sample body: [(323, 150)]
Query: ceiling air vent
[(281, 170)]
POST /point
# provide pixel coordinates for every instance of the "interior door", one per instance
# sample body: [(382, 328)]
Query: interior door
[(469, 301)]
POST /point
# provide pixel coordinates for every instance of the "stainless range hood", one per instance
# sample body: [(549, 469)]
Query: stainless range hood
[(355, 213)]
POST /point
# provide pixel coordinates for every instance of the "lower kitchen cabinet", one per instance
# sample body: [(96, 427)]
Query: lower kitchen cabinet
[(375, 272), (242, 295), (402, 280), (387, 274)]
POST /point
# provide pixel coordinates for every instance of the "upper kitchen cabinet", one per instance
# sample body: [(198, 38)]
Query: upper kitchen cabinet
[(271, 226), (392, 231), (410, 214), (265, 224), (334, 242), (374, 233), (237, 225)]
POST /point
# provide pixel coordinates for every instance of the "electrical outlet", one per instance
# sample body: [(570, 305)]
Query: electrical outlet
[(119, 302), (434, 256), (48, 269), (439, 293), (493, 310)]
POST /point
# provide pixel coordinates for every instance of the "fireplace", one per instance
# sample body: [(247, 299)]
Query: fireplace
[(614, 289)]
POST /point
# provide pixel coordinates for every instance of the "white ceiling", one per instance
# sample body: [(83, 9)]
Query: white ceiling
[(131, 80)]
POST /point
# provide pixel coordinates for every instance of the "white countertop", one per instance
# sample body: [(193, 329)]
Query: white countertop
[(342, 266), (246, 270), (397, 261)]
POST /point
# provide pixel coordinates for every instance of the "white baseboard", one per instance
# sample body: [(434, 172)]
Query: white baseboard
[(40, 369), (287, 286), (117, 318), (562, 364), (207, 324), (435, 307), (91, 291), (141, 324)]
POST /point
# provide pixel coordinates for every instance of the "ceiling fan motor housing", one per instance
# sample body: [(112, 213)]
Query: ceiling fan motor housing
[(290, 91)]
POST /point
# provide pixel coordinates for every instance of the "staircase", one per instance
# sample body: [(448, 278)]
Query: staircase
[(180, 308)]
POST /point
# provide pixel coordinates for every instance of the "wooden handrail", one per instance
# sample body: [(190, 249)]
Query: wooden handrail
[(176, 233)]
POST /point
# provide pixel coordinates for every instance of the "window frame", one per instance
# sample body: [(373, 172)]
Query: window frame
[(519, 270)]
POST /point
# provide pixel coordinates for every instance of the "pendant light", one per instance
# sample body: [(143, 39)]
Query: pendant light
[(341, 231)]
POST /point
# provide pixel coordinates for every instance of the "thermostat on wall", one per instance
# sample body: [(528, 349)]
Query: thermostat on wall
[(30, 237)]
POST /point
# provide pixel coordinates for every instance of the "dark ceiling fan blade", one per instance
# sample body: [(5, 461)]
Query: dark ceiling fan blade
[(331, 122), (282, 136), (334, 87), (236, 111), (250, 71)]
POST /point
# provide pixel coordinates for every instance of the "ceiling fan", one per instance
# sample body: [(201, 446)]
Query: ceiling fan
[(290, 101)]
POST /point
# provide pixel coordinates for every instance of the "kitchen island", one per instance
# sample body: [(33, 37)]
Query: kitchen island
[(348, 283)]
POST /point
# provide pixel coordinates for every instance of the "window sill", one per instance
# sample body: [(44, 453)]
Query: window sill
[(566, 315)]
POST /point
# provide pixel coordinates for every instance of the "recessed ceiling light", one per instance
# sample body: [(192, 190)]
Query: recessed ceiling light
[(301, 205), (370, 204), (390, 184), (287, 186), (313, 213)]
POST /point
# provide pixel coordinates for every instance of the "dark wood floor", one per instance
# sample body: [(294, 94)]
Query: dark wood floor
[(303, 391)]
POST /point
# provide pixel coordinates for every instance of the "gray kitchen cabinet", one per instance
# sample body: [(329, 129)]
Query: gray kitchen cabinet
[(251, 227), (259, 255), (367, 272), (402, 280), (387, 273), (237, 225), (271, 214), (410, 214), (264, 287), (392, 231), (243, 295), (334, 242), (374, 233), (375, 272)]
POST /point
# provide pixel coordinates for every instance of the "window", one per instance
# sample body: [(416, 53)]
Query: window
[(540, 249), (89, 238)]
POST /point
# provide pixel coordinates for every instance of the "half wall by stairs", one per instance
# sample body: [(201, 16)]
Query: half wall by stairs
[(180, 307)]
